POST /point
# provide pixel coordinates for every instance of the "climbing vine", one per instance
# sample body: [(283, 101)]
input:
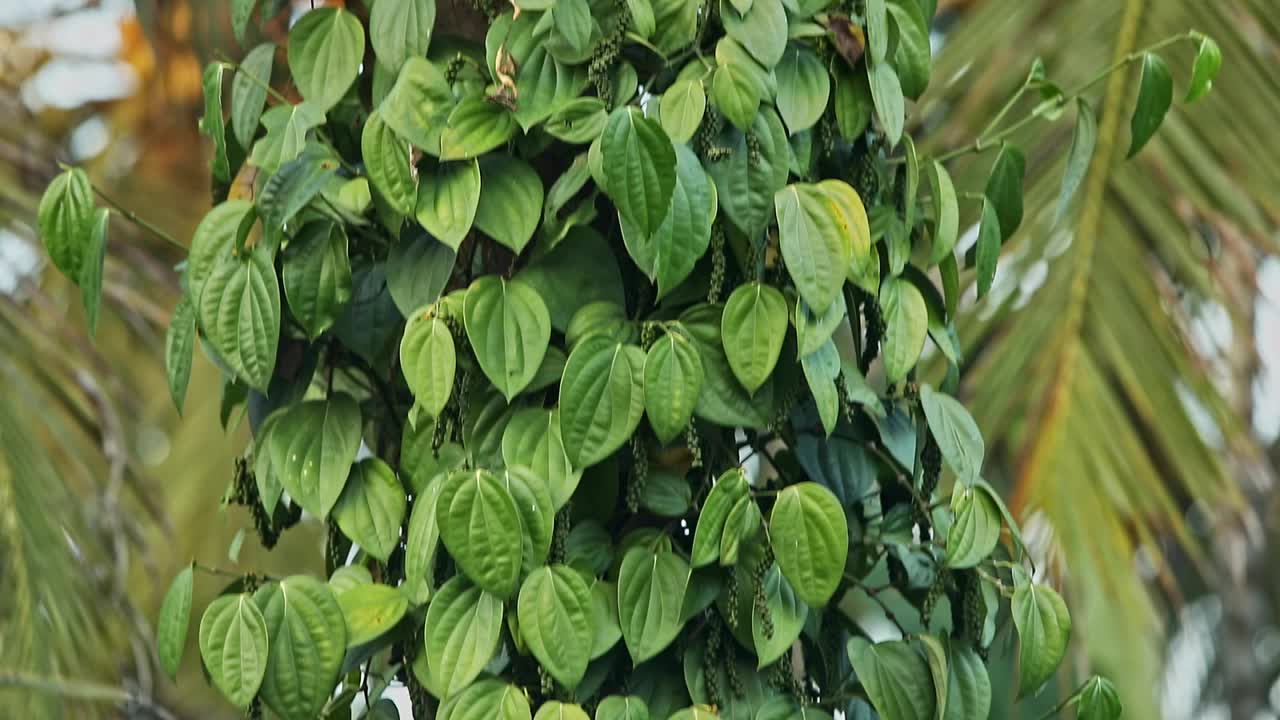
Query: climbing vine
[(593, 340)]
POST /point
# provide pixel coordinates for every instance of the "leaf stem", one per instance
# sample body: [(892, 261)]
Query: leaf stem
[(131, 216)]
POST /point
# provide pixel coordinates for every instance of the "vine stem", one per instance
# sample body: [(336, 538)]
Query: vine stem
[(210, 570), (986, 140)]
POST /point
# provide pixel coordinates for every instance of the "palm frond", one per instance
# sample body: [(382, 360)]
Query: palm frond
[(1105, 422)]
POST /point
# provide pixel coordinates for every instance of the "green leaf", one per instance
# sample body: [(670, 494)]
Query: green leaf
[(604, 613), (179, 344), (248, 98), (556, 710), (906, 323), (308, 638), (853, 102), (601, 398), (1083, 141), (987, 249), (651, 589), (745, 189), (241, 13), (171, 625), (90, 279), (326, 46), (428, 360), (287, 127), (509, 328), (487, 700), (804, 86), (737, 92), (729, 489), (418, 269), (810, 539), (723, 400), (371, 508), (696, 712), (510, 200), (66, 219), (555, 621), (1044, 628), (787, 618), (946, 213), (1203, 73), (349, 576), (1004, 188), (913, 55), (532, 439), (639, 168), (475, 127), (814, 330), (240, 315), (579, 121), (672, 382), (462, 630), (752, 328), (886, 91), (617, 707), (1155, 95), (1099, 700), (295, 185), (956, 433), (968, 685), (821, 370), (422, 541), (480, 526), (401, 29), (670, 253), (313, 446), (683, 105), (573, 21), (584, 255), (975, 529), (448, 200), (895, 677), (877, 30), (370, 611), (386, 160), (815, 238), (761, 30), (233, 643), (532, 496), (212, 124), (666, 494), (419, 104), (317, 275)]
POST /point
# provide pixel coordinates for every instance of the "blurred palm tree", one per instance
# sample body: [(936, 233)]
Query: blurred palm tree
[(1112, 427)]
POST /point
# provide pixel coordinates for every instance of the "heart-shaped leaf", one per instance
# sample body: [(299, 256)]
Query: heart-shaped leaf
[(651, 589), (172, 623), (752, 328), (1044, 629), (601, 398), (510, 200), (370, 611), (371, 508), (325, 47), (428, 360), (639, 166), (401, 29), (313, 446), (317, 275), (308, 638), (386, 160), (906, 321), (672, 383), (240, 315), (462, 629), (447, 201), (810, 539), (234, 644), (554, 610), (509, 328), (480, 525)]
